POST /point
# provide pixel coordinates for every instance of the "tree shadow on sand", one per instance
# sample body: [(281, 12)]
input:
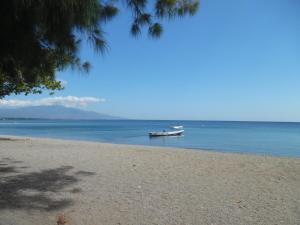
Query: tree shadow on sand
[(36, 190)]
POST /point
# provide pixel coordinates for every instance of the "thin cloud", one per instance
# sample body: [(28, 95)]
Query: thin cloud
[(68, 101)]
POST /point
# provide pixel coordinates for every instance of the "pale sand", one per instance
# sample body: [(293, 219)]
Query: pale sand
[(109, 184)]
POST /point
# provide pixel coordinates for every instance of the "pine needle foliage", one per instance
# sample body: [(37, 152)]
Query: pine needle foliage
[(40, 37)]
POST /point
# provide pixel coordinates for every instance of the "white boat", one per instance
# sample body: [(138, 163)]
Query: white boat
[(166, 133), (177, 127)]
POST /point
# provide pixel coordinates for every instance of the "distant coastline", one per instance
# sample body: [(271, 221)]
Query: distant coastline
[(170, 120), (57, 112)]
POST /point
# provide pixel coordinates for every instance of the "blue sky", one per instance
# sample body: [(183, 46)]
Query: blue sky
[(234, 60)]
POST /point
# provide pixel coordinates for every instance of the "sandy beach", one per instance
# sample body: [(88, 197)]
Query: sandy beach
[(96, 183)]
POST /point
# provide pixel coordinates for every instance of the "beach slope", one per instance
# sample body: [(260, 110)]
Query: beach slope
[(96, 183)]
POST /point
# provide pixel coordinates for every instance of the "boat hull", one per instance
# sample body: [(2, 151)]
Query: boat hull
[(170, 133)]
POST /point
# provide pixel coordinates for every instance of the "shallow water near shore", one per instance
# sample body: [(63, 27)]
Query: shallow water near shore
[(270, 138)]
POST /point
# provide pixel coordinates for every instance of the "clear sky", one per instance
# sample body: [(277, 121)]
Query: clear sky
[(234, 60)]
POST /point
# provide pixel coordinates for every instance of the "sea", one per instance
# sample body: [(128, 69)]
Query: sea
[(266, 138)]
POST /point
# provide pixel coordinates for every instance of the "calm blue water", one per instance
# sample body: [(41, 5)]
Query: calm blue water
[(250, 137)]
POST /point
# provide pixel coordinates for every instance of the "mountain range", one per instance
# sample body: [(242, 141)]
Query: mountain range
[(53, 112)]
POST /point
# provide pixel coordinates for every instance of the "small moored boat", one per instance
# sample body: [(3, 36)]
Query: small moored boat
[(177, 127), (166, 133)]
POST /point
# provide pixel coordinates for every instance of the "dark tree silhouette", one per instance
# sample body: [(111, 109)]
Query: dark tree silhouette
[(39, 37)]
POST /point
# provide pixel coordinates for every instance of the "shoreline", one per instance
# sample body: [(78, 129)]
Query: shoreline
[(104, 183), (152, 146)]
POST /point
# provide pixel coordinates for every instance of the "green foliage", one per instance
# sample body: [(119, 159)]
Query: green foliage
[(40, 37)]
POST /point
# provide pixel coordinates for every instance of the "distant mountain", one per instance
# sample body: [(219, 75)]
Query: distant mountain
[(53, 112)]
